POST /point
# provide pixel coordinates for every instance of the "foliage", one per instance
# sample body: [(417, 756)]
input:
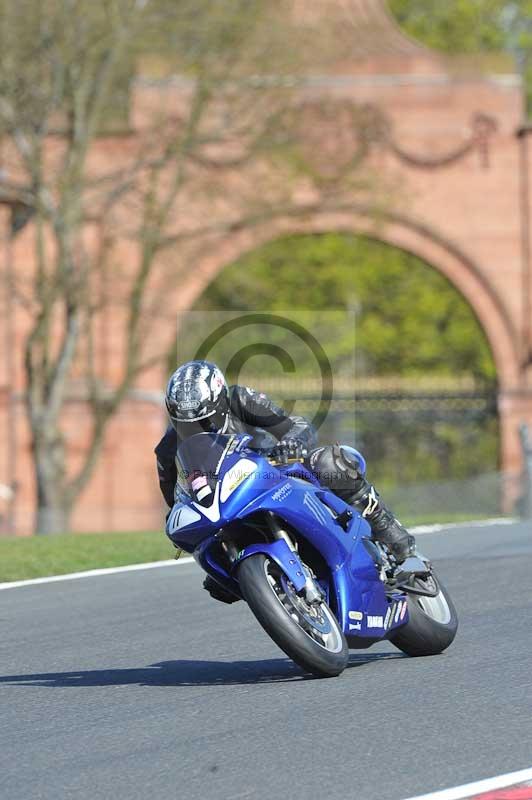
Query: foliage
[(409, 320), (472, 26), (410, 323)]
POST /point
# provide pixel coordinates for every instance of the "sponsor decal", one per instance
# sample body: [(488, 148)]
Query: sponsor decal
[(355, 626), (374, 622), (236, 482), (358, 615), (204, 492), (235, 476), (191, 396), (396, 611), (282, 493)]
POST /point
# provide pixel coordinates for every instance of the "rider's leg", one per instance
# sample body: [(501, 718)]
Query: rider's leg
[(342, 470)]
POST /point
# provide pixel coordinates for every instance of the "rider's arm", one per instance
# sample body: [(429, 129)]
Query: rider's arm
[(166, 468), (258, 411)]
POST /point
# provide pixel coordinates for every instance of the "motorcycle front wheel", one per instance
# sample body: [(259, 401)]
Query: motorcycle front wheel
[(308, 633)]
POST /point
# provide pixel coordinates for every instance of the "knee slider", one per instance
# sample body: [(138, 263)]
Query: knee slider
[(354, 456), (336, 467)]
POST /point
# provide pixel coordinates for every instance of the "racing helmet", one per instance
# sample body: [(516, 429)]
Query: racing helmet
[(197, 399)]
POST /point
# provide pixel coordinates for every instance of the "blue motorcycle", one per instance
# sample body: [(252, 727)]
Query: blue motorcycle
[(303, 560)]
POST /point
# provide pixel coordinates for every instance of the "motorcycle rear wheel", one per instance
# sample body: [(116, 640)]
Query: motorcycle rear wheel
[(431, 626), (309, 634)]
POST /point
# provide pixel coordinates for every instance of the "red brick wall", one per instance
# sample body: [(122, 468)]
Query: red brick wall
[(462, 217)]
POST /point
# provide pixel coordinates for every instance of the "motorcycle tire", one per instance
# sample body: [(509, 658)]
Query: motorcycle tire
[(310, 635), (431, 626)]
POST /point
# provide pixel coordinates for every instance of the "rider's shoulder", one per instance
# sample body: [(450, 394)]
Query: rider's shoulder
[(245, 395), (168, 443)]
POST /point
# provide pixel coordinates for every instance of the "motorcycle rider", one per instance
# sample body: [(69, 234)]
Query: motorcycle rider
[(198, 399)]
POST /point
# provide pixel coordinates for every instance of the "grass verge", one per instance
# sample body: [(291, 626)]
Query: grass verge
[(39, 556)]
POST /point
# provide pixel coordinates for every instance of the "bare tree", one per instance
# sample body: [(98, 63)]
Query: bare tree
[(66, 67), (192, 160)]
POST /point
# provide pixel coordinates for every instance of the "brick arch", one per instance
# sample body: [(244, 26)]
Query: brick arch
[(406, 234)]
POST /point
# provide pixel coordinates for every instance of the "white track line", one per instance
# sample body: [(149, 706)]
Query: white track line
[(452, 526), (93, 573), (478, 788)]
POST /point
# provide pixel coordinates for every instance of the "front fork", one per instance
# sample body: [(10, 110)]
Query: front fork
[(283, 550), (312, 590)]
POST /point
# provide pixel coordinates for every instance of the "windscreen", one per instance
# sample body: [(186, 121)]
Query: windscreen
[(198, 462)]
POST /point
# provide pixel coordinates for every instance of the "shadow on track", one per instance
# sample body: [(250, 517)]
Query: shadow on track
[(185, 673)]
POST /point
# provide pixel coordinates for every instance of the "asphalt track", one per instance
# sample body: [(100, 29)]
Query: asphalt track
[(138, 686)]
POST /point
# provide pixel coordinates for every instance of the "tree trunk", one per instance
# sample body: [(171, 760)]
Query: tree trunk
[(52, 519), (53, 505)]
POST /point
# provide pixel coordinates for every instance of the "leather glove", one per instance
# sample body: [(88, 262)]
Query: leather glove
[(288, 450)]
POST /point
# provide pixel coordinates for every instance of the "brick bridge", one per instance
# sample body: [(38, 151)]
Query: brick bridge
[(453, 139)]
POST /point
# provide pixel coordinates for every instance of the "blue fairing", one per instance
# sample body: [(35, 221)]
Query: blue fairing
[(247, 485)]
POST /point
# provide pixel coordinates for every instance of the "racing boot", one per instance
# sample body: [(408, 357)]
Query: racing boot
[(218, 592), (385, 528)]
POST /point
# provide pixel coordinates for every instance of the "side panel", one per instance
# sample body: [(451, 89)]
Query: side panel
[(298, 503), (364, 610), (186, 527)]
